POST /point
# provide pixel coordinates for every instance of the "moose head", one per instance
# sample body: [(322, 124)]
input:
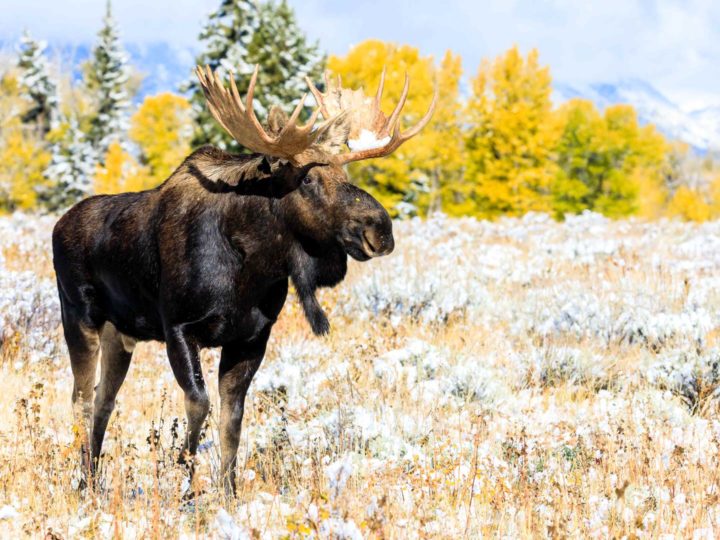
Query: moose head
[(322, 204)]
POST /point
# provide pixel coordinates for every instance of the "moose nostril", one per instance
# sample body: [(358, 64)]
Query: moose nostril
[(371, 241)]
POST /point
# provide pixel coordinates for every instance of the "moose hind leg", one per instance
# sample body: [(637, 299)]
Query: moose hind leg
[(184, 356), (115, 355), (238, 364), (83, 345)]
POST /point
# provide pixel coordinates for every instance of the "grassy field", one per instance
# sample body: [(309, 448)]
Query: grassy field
[(524, 378)]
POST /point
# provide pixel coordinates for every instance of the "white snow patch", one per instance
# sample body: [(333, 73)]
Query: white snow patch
[(367, 141)]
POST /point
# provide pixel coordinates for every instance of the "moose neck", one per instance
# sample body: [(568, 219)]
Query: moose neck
[(309, 264)]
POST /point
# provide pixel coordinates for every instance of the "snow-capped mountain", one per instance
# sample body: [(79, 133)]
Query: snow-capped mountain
[(700, 129)]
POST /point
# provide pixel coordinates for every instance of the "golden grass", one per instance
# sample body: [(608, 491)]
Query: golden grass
[(549, 456)]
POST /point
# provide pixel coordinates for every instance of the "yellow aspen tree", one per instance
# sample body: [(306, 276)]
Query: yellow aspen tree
[(632, 151), (162, 128), (23, 156), (445, 159), (689, 204), (120, 172), (607, 162), (511, 136), (22, 162), (715, 197)]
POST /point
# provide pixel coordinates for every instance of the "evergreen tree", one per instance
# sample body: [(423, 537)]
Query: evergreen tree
[(71, 170), (285, 57), (107, 76), (37, 85), (240, 34), (225, 37)]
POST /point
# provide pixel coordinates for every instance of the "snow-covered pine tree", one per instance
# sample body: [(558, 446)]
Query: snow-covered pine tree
[(240, 34), (37, 85), (107, 76), (71, 170), (225, 39), (285, 56)]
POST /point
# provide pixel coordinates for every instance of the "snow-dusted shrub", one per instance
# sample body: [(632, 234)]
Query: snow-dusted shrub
[(30, 311), (427, 291), (418, 360), (567, 365), (472, 381), (292, 376), (623, 317), (694, 377)]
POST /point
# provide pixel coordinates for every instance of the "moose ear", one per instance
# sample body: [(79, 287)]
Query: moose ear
[(264, 166), (288, 176)]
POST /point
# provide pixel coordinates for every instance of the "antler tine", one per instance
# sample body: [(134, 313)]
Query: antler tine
[(319, 98), (410, 133), (250, 110), (235, 93), (381, 87), (307, 128), (390, 124), (207, 81), (295, 114)]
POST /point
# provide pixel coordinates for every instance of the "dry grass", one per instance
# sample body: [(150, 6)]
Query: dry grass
[(483, 420)]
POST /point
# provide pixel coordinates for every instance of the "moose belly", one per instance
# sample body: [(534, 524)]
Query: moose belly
[(241, 319), (219, 329)]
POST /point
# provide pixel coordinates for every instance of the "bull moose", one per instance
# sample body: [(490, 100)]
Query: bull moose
[(204, 259)]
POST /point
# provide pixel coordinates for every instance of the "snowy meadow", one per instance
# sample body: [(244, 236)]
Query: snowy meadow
[(522, 378)]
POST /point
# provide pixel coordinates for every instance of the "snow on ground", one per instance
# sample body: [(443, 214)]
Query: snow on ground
[(523, 377)]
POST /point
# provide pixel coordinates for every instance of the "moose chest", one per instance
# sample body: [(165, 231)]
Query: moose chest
[(226, 292)]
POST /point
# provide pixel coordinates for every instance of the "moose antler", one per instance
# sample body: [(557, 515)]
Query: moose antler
[(339, 106), (364, 115), (239, 119)]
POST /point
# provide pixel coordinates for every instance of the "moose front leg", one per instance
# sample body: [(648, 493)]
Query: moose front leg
[(238, 364), (184, 356)]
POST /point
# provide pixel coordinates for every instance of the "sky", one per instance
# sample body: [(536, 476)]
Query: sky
[(672, 44)]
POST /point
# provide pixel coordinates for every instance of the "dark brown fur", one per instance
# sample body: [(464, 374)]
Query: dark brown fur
[(204, 261)]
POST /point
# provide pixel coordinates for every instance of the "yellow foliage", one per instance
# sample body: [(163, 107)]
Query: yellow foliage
[(162, 129), (119, 174), (607, 162), (22, 162), (652, 195), (689, 204), (445, 145), (413, 174), (714, 190), (511, 136)]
